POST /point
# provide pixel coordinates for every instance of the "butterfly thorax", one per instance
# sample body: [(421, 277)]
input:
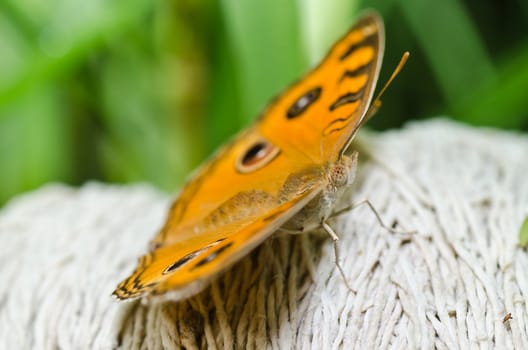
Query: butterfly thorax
[(338, 176)]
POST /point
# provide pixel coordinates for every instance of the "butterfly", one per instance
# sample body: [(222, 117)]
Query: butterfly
[(284, 172)]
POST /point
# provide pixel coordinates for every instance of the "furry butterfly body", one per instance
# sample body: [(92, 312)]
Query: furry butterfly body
[(285, 171)]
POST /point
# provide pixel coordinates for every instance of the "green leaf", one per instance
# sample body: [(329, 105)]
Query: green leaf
[(501, 101), (34, 142), (142, 140), (70, 35), (268, 55), (450, 41), (324, 22)]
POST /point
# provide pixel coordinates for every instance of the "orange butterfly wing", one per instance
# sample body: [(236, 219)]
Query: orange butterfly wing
[(243, 193), (343, 85), (183, 269), (219, 180)]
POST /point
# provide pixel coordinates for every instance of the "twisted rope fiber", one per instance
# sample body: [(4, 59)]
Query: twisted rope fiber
[(449, 286)]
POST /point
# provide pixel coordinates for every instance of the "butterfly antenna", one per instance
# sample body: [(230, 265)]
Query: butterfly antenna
[(376, 104)]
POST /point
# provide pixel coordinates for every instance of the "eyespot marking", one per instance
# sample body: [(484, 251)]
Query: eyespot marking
[(259, 154), (255, 153), (303, 102)]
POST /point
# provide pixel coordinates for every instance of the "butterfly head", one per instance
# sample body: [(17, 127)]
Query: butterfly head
[(343, 172)]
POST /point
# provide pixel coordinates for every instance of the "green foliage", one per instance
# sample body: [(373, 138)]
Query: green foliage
[(143, 90)]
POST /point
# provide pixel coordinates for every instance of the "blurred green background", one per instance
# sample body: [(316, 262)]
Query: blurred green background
[(143, 90)]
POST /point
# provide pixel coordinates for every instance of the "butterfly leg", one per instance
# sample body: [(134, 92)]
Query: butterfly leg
[(376, 214), (324, 225), (335, 238)]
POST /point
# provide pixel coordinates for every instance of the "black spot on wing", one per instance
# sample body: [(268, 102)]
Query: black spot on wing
[(255, 153), (213, 255), (182, 261), (303, 102)]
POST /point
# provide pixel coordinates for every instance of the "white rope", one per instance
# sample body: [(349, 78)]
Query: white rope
[(449, 286)]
